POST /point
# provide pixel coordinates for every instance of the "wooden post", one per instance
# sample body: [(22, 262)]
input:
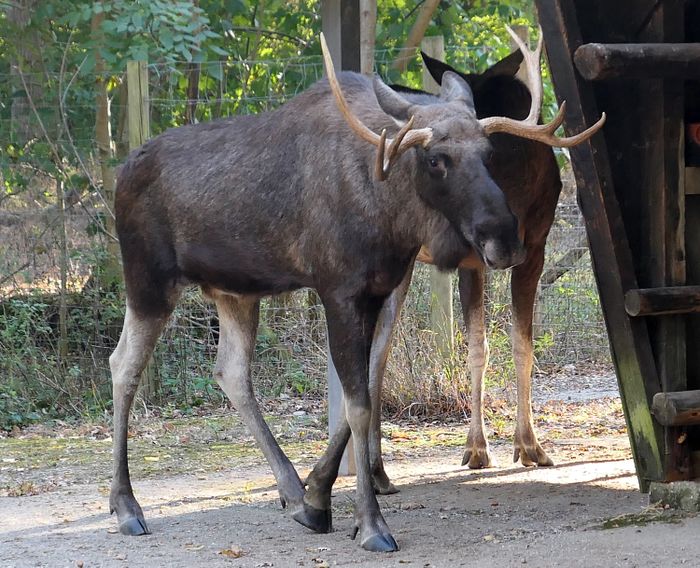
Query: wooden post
[(137, 95), (368, 26), (441, 313), (139, 130), (343, 22)]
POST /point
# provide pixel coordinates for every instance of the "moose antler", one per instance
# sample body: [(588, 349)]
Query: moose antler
[(406, 138), (529, 128)]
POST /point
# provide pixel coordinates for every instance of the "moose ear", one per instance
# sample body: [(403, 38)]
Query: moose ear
[(438, 68), (454, 88), (435, 67), (391, 102), (507, 66)]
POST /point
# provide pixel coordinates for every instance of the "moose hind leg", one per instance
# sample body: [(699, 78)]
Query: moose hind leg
[(471, 290), (238, 321), (128, 361), (523, 290)]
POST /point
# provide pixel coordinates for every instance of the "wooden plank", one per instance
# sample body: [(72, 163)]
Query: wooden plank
[(610, 251), (670, 341), (646, 176), (441, 310), (677, 408), (598, 61), (663, 301), (139, 131), (139, 124), (692, 181), (368, 27), (341, 23)]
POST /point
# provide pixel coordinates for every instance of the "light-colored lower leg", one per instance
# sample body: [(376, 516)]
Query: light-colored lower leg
[(523, 290), (526, 447), (133, 351), (238, 322), (476, 454)]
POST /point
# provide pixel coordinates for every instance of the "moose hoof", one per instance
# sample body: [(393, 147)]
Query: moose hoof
[(477, 458), (383, 485), (133, 526), (532, 456), (318, 520), (380, 543)]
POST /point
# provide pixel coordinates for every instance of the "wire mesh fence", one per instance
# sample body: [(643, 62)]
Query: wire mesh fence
[(59, 323)]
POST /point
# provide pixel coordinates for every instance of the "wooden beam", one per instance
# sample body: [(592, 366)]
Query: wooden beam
[(663, 301), (598, 61), (610, 250), (441, 310), (677, 408), (342, 22), (139, 124)]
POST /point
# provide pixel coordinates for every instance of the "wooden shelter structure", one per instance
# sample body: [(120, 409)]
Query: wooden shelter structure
[(639, 191)]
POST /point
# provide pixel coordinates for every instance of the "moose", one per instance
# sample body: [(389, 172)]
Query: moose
[(308, 195), (527, 172)]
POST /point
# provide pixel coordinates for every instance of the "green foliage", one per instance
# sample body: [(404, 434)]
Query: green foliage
[(252, 56)]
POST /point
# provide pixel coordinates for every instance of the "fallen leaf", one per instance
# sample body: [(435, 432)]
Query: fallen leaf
[(194, 547), (233, 552)]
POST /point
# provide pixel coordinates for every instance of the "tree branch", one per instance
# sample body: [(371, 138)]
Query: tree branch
[(416, 34)]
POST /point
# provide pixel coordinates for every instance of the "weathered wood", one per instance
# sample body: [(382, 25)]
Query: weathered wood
[(647, 178), (663, 301), (441, 310), (139, 131), (139, 124), (610, 251), (677, 408), (425, 15), (342, 22), (598, 61), (692, 181), (368, 26)]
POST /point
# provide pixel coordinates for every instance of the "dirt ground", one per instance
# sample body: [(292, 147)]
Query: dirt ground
[(210, 500)]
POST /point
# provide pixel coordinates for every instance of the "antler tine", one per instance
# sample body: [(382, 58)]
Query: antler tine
[(396, 142), (405, 139), (379, 171), (529, 128), (360, 129), (532, 70)]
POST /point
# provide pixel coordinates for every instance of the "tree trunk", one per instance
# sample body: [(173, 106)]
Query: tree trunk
[(111, 270), (415, 36), (26, 62), (193, 73)]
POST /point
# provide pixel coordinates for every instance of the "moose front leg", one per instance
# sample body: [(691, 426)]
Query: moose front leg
[(523, 290), (351, 324), (471, 292)]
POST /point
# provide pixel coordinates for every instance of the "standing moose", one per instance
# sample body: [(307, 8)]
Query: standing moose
[(527, 172), (304, 196)]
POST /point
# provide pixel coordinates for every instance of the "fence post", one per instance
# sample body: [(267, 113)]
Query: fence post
[(139, 129), (441, 314), (139, 124)]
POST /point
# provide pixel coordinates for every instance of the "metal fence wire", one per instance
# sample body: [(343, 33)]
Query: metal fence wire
[(51, 370)]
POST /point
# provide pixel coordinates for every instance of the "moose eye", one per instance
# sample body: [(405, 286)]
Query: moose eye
[(433, 162)]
